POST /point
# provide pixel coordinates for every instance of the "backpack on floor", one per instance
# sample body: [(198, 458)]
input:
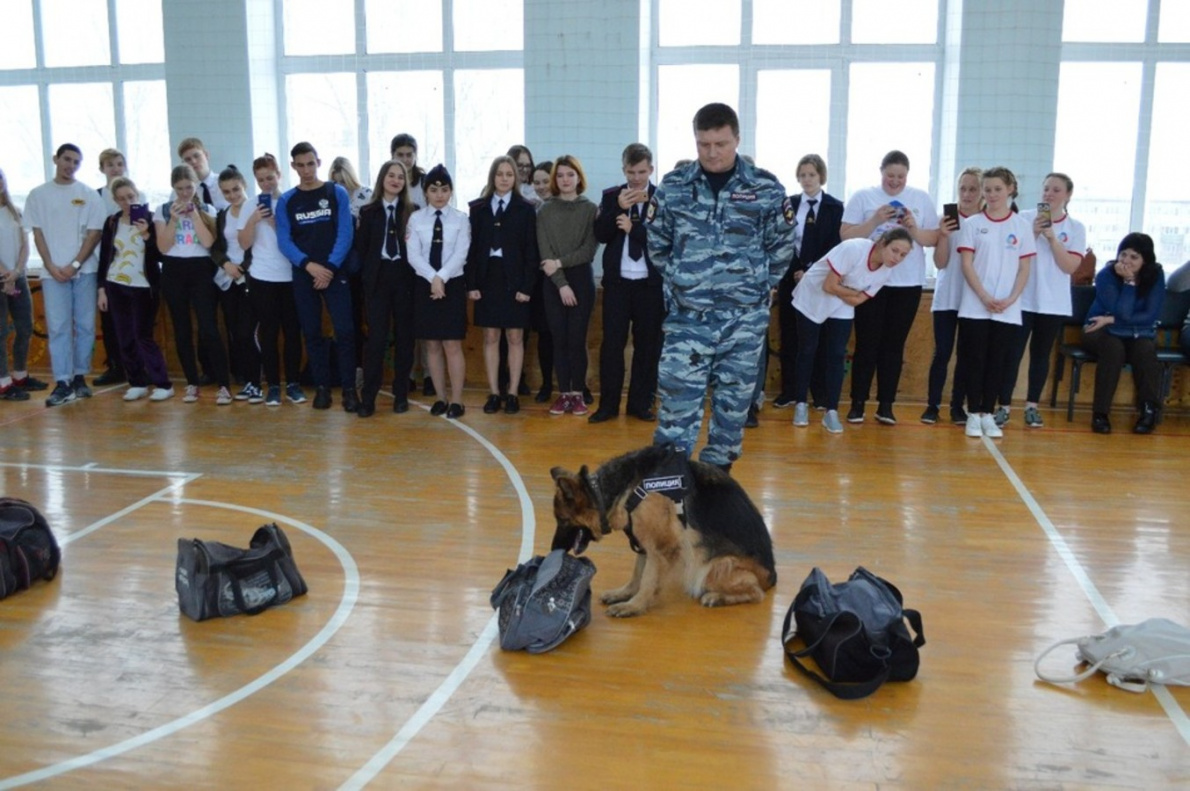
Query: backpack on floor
[(855, 631), (1156, 651), (215, 579), (543, 601), (28, 549)]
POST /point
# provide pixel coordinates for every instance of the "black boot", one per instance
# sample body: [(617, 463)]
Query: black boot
[(1147, 420), (1100, 424)]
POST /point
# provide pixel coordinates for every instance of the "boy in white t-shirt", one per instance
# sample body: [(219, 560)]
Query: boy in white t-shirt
[(67, 217)]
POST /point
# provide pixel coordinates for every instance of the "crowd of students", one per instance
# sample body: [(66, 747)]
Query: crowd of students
[(395, 265)]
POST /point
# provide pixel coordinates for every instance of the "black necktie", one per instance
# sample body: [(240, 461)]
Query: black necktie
[(810, 214), (391, 247), (497, 234), (206, 194), (436, 242), (635, 251)]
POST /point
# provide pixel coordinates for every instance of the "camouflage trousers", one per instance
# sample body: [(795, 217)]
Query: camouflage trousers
[(715, 351)]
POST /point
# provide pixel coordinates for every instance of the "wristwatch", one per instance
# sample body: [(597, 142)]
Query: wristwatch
[(75, 265)]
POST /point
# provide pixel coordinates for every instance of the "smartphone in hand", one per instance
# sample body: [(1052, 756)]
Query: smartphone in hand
[(1044, 214), (951, 212), (265, 201), (900, 207), (140, 211)]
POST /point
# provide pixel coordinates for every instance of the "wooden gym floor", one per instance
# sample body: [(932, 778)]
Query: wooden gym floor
[(386, 674)]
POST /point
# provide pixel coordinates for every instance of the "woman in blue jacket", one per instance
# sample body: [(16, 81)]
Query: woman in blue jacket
[(1121, 330)]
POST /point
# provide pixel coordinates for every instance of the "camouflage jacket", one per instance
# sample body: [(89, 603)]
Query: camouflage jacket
[(720, 253)]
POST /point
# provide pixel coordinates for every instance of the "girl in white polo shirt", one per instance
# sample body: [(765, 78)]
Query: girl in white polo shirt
[(996, 248), (824, 305), (1045, 303)]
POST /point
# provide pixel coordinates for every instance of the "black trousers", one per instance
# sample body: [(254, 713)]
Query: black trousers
[(640, 304), (1038, 331), (788, 353), (187, 283), (882, 326), (983, 346), (569, 327), (1116, 352), (946, 327), (240, 319), (388, 305), (276, 312)]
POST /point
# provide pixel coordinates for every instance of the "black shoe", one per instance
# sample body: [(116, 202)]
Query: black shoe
[(601, 416), (588, 399), (400, 407), (884, 414), (427, 388), (63, 394), (543, 395), (856, 415), (455, 411), (523, 389), (29, 384), (112, 376), (350, 399), (322, 398), (1100, 424), (365, 409), (753, 419), (80, 387), (439, 408), (13, 393), (492, 405), (512, 405), (930, 416), (958, 416), (647, 415), (783, 402), (1147, 420)]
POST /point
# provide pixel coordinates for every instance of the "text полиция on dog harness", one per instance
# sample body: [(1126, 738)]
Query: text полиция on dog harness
[(672, 481)]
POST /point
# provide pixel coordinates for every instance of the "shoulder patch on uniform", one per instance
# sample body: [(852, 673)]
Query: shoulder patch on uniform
[(652, 210), (788, 211), (478, 202)]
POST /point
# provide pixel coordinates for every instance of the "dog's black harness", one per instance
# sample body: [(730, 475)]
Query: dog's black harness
[(672, 482)]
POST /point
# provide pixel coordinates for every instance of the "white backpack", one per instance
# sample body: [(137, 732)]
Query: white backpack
[(1156, 651)]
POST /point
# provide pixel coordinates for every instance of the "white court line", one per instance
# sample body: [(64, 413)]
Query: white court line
[(458, 675), (1175, 713), (91, 468), (346, 604), (107, 520)]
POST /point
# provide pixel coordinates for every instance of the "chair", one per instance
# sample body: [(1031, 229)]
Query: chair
[(1169, 324), (1081, 298)]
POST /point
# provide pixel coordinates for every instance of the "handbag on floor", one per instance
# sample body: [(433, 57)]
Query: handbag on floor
[(855, 631), (28, 549), (1156, 651), (215, 579), (543, 601)]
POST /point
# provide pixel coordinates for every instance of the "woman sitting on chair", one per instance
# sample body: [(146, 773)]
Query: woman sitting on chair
[(1121, 330)]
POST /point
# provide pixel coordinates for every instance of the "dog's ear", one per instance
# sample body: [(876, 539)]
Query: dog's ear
[(558, 472), (568, 487)]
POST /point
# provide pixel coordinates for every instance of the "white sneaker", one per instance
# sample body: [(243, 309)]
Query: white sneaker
[(801, 414), (830, 421), (134, 393), (990, 429), (191, 394), (975, 425), (162, 393), (223, 397)]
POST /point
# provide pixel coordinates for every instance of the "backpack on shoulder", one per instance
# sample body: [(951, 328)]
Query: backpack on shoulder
[(1156, 651), (543, 601), (28, 549), (215, 579), (855, 631)]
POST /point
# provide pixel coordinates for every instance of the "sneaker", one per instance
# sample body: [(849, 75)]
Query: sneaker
[(274, 396), (958, 416), (81, 390), (974, 426), (561, 405), (29, 384), (63, 394), (162, 393), (801, 414), (578, 404), (884, 414), (830, 421), (245, 393), (112, 376), (990, 427), (135, 393), (223, 397), (1033, 417), (782, 402), (1001, 416), (930, 416), (322, 398), (191, 394), (293, 391), (856, 415), (13, 393)]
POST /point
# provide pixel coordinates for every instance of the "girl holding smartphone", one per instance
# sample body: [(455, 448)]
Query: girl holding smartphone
[(235, 295)]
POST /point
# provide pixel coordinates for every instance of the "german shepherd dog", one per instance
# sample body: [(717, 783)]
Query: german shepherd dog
[(682, 517)]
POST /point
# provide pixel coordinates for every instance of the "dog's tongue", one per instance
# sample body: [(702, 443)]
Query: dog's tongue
[(579, 543)]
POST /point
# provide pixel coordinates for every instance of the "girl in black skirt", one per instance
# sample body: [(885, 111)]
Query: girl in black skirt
[(501, 270)]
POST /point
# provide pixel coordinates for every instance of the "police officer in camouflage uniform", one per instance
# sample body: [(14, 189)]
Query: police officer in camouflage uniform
[(721, 235)]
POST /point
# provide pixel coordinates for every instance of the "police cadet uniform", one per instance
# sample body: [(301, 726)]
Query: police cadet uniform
[(719, 256)]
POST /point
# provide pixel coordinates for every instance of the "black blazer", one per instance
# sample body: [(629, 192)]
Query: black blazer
[(107, 252), (821, 237), (369, 244), (518, 237), (610, 235)]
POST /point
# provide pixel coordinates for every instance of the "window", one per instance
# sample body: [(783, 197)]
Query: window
[(324, 112), (16, 39), (699, 22), (898, 127), (1169, 167), (138, 25), (902, 22), (148, 147), (1105, 20), (83, 113), (684, 89), (410, 102), (482, 25), (20, 140), (1175, 22), (495, 120), (792, 120), (788, 22), (404, 25), (75, 33), (319, 27)]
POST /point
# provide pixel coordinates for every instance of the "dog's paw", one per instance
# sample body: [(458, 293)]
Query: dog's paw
[(712, 599), (625, 610), (616, 596)]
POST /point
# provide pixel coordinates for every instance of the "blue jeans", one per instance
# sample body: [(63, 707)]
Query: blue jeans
[(833, 334), (70, 319)]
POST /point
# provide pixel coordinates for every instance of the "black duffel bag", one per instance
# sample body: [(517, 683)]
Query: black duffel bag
[(214, 579), (855, 631), (28, 549)]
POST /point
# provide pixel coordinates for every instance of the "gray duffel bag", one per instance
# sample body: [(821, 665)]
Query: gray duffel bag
[(543, 601), (215, 579)]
